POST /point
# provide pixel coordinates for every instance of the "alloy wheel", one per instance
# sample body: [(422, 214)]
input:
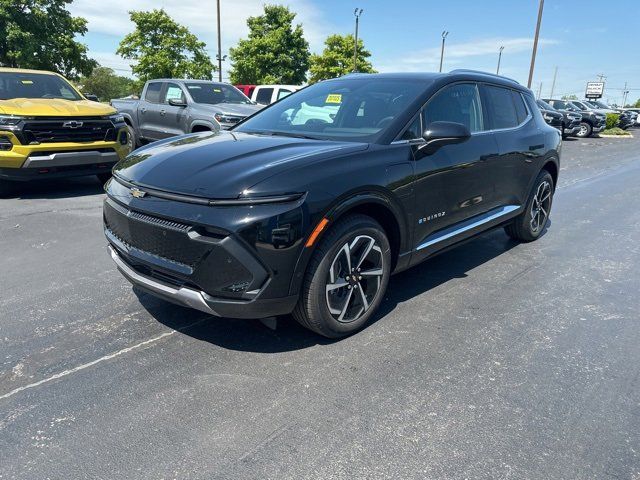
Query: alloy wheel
[(354, 278), (540, 207)]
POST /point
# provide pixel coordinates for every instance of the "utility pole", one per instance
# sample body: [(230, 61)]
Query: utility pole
[(219, 46), (357, 12), (535, 43), (539, 90), (553, 85), (444, 36), (499, 58), (601, 77), (625, 92)]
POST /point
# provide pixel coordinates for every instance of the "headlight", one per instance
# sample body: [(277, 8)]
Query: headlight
[(547, 117), (222, 118), (117, 118), (9, 120)]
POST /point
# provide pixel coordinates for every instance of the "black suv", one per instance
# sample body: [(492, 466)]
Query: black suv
[(592, 121), (310, 205), (570, 121)]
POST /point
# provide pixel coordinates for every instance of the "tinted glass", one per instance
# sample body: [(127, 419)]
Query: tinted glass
[(545, 105), (173, 92), (500, 106), (413, 131), (264, 96), (521, 109), (283, 93), (153, 92), (352, 109), (458, 103), (35, 85), (213, 93), (580, 105)]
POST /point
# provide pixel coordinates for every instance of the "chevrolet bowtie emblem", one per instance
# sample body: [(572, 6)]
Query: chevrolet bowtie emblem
[(136, 192), (72, 124)]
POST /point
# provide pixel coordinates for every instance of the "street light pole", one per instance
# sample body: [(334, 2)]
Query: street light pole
[(357, 12), (499, 58), (535, 43), (219, 46), (444, 36), (553, 84)]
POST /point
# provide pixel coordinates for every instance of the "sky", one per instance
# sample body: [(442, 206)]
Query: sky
[(582, 38)]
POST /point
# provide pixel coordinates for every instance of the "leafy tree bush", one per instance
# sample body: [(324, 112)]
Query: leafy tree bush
[(612, 120), (275, 51), (637, 104), (104, 83), (41, 34), (337, 58), (569, 97), (162, 48)]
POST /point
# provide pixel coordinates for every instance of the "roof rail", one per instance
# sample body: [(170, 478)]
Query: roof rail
[(466, 70)]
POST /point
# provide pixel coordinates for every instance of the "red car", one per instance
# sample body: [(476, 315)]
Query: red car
[(246, 89)]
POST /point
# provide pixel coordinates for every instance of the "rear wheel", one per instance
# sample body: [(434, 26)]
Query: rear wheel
[(585, 130), (530, 224), (6, 188), (346, 278)]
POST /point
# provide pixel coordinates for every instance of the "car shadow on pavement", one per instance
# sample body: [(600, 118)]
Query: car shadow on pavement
[(285, 334), (57, 188)]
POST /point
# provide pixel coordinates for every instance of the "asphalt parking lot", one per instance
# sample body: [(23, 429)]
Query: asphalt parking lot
[(493, 360)]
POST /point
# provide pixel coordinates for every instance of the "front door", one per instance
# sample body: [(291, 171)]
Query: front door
[(172, 117), (454, 183)]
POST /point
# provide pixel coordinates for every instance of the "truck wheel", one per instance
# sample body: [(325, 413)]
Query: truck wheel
[(134, 142), (585, 130), (529, 225), (6, 188), (346, 278), (104, 177)]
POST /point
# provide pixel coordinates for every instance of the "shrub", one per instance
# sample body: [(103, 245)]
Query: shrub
[(612, 120), (616, 131)]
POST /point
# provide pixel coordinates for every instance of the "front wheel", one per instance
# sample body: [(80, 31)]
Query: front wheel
[(7, 188), (585, 130), (346, 278), (529, 225), (104, 177)]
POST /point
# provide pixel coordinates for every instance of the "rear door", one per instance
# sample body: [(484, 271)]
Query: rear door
[(454, 183), (519, 140), (149, 112)]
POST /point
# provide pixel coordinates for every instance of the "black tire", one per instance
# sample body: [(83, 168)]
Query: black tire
[(585, 130), (564, 135), (134, 142), (313, 308), (7, 188), (523, 226), (104, 177)]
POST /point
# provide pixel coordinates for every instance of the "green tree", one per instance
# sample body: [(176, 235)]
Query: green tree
[(41, 34), (337, 58), (275, 51), (162, 48), (104, 83), (569, 97), (637, 104)]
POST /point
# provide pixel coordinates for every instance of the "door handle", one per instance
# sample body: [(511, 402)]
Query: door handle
[(142, 110), (162, 112)]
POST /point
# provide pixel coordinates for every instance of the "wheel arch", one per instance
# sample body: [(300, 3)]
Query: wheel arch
[(202, 126), (551, 166)]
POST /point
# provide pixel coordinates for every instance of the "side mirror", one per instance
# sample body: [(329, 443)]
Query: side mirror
[(91, 96), (439, 134), (176, 102)]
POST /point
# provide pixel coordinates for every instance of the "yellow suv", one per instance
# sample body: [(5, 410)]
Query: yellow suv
[(49, 129)]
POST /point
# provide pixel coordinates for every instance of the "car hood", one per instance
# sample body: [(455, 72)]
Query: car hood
[(239, 109), (222, 164), (54, 107)]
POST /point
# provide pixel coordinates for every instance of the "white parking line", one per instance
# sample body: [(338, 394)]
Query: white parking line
[(90, 364)]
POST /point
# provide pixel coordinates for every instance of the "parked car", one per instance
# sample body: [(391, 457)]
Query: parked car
[(246, 89), (170, 107), (49, 129), (636, 111), (626, 117), (591, 122), (268, 94), (275, 216), (569, 122)]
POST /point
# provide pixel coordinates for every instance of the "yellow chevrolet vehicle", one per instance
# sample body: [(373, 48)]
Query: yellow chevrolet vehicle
[(49, 129)]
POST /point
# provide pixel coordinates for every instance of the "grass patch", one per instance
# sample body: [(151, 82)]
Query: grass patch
[(616, 131)]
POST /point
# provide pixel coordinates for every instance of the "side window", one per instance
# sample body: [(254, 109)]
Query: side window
[(521, 109), (500, 107), (153, 92), (264, 96), (283, 93), (458, 103), (173, 92), (413, 131)]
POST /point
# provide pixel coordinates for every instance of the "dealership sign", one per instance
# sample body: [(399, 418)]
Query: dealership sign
[(594, 90)]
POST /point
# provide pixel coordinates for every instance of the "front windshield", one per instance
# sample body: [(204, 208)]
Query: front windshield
[(351, 109), (213, 93), (545, 105), (600, 105), (580, 105), (35, 85)]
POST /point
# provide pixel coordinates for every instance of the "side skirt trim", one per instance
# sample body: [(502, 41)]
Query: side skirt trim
[(467, 225)]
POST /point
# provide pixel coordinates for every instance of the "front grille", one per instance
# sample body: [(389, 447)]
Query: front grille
[(68, 130), (157, 236)]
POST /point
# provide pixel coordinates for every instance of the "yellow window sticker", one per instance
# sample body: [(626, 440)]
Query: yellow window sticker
[(217, 90), (334, 98), (26, 82)]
